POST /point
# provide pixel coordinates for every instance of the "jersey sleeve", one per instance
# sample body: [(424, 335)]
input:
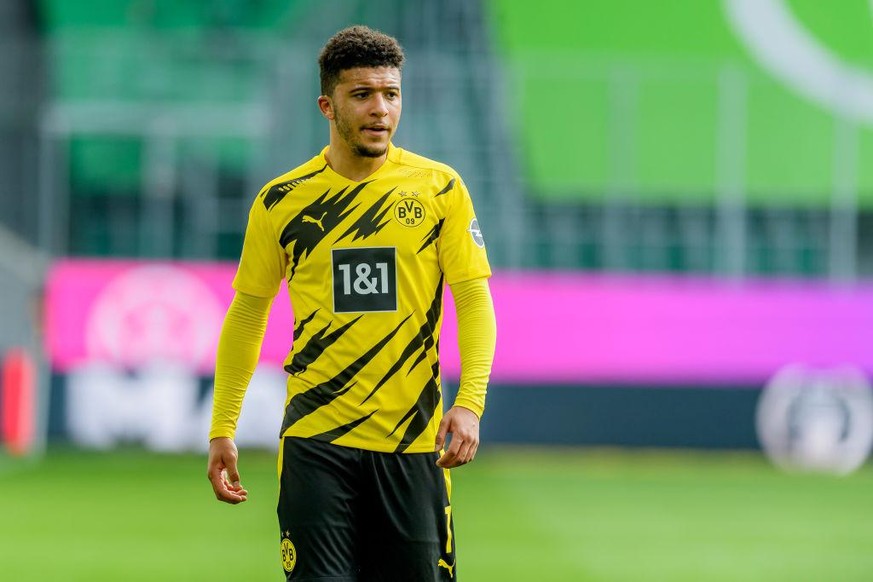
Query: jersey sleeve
[(239, 346), (263, 261), (462, 253), (477, 336)]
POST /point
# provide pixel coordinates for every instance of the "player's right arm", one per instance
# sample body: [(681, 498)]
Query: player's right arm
[(239, 347), (261, 267)]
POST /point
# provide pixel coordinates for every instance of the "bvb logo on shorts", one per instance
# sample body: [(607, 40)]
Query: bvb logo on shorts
[(289, 553), (408, 211)]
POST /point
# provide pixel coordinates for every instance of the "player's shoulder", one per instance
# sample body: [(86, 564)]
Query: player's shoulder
[(413, 162), (277, 188)]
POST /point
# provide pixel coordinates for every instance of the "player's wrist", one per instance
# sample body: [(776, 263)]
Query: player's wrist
[(469, 406)]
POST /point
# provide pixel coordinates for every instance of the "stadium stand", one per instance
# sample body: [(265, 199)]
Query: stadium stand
[(148, 69), (602, 144)]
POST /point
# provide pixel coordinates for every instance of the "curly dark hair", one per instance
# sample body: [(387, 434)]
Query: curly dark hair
[(356, 46)]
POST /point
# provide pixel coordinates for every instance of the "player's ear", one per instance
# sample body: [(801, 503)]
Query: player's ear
[(325, 105)]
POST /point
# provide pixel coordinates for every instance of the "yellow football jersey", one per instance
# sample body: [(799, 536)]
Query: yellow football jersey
[(365, 265)]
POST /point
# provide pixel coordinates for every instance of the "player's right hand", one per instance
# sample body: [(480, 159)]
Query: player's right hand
[(222, 471)]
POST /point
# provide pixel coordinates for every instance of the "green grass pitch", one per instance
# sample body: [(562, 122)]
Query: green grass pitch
[(522, 514)]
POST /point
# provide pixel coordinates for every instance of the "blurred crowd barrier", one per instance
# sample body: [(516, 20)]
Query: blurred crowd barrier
[(132, 346)]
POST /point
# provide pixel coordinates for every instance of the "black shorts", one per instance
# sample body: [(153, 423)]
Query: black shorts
[(352, 515)]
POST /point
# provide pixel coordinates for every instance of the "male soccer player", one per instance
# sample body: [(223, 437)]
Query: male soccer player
[(365, 236)]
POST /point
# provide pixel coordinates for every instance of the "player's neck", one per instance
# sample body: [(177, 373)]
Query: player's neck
[(351, 165)]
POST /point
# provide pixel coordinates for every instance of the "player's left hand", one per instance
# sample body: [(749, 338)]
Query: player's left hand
[(463, 424)]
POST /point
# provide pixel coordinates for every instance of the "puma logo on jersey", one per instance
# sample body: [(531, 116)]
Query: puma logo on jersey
[(443, 564), (315, 221)]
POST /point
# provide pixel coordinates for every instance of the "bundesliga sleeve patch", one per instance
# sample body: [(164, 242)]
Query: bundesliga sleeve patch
[(476, 233), (364, 279)]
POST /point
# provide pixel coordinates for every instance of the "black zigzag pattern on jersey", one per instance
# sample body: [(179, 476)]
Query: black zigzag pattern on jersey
[(371, 221), (424, 340), (335, 433), (306, 403), (317, 345), (298, 331), (447, 189), (421, 412), (432, 236), (314, 222), (275, 194)]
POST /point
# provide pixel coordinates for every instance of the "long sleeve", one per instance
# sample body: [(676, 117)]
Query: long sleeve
[(477, 336), (239, 347)]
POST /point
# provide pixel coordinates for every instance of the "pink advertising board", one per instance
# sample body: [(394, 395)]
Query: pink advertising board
[(552, 327)]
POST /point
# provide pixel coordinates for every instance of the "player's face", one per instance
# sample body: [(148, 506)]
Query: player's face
[(366, 109)]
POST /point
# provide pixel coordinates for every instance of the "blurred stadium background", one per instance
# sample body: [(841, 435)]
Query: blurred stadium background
[(678, 202)]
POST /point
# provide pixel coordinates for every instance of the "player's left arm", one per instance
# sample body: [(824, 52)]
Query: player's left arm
[(477, 336)]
